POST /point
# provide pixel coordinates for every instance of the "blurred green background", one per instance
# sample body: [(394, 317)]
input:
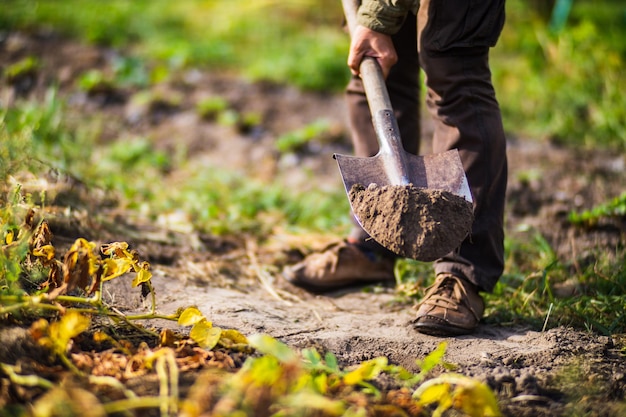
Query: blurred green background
[(558, 69)]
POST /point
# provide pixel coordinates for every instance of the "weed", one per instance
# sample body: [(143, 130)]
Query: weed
[(14, 243), (296, 140), (38, 134), (94, 81), (529, 291), (210, 108), (25, 67), (296, 384), (615, 208)]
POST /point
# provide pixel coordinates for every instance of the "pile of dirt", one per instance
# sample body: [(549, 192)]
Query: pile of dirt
[(413, 222)]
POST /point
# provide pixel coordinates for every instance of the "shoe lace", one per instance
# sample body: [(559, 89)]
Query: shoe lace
[(448, 292)]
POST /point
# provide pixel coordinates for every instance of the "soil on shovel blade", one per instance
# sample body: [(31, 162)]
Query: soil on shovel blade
[(414, 222)]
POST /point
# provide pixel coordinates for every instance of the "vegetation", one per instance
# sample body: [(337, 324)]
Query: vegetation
[(573, 65), (61, 300)]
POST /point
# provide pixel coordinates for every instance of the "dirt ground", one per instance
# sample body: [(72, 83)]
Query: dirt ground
[(238, 285)]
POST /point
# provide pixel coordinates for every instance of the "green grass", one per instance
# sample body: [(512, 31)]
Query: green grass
[(36, 134), (299, 42), (564, 87), (41, 137), (541, 291)]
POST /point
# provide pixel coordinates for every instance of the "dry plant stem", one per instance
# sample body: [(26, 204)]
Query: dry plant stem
[(112, 382), (70, 365), (34, 302), (132, 404), (152, 297), (167, 379), (25, 380), (264, 276), (41, 301), (149, 316)]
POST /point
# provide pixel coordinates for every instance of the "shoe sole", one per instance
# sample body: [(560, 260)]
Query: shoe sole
[(441, 330), (337, 285)]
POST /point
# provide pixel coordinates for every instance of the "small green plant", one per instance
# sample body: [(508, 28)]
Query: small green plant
[(148, 101), (14, 242), (248, 121), (137, 153), (210, 108), (131, 71), (298, 139), (615, 208), (540, 289), (26, 67), (228, 117), (94, 81), (125, 72)]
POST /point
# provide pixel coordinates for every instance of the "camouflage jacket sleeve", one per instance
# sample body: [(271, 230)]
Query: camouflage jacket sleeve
[(385, 16)]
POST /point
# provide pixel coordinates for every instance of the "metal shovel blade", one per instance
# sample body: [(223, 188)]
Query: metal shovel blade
[(392, 165), (442, 171)]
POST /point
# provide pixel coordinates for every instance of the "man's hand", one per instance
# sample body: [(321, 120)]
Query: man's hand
[(367, 42)]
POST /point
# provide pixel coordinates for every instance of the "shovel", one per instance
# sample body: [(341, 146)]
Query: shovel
[(392, 165)]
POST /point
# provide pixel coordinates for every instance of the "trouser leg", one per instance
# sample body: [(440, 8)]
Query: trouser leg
[(404, 92), (467, 117), (462, 102)]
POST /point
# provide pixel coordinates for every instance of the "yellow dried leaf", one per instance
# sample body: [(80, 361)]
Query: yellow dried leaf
[(471, 396), (39, 329), (46, 251), (119, 249), (143, 275), (190, 316), (80, 263), (83, 244), (71, 325), (113, 268), (435, 393), (100, 337), (168, 338), (235, 336), (205, 335), (42, 236), (476, 400)]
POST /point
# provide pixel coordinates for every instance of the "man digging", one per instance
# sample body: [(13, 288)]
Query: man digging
[(450, 41)]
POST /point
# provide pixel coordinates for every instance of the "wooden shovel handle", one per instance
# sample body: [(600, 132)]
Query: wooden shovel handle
[(371, 73)]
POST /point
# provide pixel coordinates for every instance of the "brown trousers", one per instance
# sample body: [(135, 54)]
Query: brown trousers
[(452, 47)]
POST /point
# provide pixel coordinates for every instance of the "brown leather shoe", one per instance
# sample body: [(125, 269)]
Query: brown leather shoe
[(339, 265), (451, 307)]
